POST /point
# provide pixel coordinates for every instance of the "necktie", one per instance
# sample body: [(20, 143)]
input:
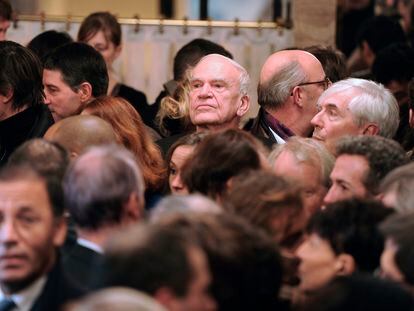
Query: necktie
[(7, 304)]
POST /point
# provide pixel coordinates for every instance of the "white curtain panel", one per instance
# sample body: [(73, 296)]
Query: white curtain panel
[(147, 55)]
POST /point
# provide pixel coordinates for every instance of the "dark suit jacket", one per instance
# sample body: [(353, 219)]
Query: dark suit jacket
[(15, 130), (258, 128), (79, 263), (58, 290)]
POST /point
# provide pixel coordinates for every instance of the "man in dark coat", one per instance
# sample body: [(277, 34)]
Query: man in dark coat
[(32, 227), (22, 113)]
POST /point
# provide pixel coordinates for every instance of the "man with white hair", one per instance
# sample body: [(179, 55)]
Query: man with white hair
[(291, 82), (355, 107), (218, 95)]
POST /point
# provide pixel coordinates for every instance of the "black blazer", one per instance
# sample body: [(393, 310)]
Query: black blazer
[(80, 265), (57, 291)]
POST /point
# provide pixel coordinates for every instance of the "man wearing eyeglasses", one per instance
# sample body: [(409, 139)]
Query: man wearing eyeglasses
[(290, 84)]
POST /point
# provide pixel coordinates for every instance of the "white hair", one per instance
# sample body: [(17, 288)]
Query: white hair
[(244, 78), (370, 102)]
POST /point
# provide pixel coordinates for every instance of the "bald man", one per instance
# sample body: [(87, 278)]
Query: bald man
[(290, 84), (77, 133)]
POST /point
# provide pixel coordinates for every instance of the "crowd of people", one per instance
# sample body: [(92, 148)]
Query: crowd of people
[(110, 203)]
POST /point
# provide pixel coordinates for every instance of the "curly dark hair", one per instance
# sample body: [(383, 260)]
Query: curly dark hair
[(382, 155)]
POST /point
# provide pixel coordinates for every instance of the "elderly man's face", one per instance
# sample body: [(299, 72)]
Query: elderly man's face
[(334, 118), (215, 99)]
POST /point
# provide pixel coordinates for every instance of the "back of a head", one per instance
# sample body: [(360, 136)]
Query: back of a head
[(394, 63), (131, 132), (351, 227), (148, 257), (21, 73), (242, 279), (333, 61), (194, 203), (370, 102), (380, 32), (47, 41), (125, 120), (308, 151), (78, 63), (219, 157), (116, 299), (77, 133), (382, 154), (281, 72), (99, 183), (398, 229), (399, 183), (189, 55), (360, 293), (47, 158), (264, 199)]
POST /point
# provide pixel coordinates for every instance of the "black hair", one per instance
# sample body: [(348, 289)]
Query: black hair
[(350, 227), (79, 63)]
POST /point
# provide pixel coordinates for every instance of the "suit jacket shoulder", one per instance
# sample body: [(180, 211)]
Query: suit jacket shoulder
[(58, 290), (79, 265)]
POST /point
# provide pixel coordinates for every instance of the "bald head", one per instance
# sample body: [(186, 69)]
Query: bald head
[(290, 84), (77, 133), (279, 60)]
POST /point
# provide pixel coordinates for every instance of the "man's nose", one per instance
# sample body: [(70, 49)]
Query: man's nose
[(205, 90), (7, 231), (331, 196), (46, 99), (316, 120)]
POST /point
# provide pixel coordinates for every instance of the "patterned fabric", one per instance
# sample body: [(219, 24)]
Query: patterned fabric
[(277, 127)]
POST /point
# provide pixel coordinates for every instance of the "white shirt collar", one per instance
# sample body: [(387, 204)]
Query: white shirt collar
[(88, 244), (25, 298), (279, 139)]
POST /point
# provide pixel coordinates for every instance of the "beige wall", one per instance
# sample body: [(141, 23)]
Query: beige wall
[(123, 8)]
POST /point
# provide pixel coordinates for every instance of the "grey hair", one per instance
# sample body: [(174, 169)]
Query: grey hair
[(116, 299), (400, 181), (99, 182), (372, 102), (244, 78), (309, 151), (194, 203), (275, 92)]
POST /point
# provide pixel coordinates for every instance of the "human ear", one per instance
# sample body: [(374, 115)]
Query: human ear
[(85, 92), (370, 129), (345, 264), (61, 228), (243, 106)]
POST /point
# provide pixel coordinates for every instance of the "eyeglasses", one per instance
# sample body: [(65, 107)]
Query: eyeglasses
[(326, 83)]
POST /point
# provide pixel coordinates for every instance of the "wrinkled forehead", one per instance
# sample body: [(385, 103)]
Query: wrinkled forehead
[(337, 96), (216, 67)]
